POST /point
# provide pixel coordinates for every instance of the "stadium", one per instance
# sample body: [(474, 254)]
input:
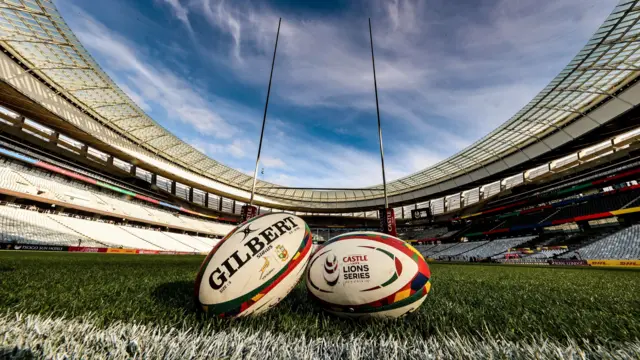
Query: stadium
[(532, 232)]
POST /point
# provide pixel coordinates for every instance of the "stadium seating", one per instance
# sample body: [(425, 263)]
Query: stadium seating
[(527, 219), (25, 179), (437, 249), (483, 225), (33, 227), (566, 209), (459, 249), (547, 254), (596, 205), (622, 245), (200, 243), (449, 234), (635, 202), (424, 248), (105, 233), (498, 246), (158, 239), (212, 242), (423, 234)]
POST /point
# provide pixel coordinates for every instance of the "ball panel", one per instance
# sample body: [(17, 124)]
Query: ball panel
[(367, 271), (241, 304), (281, 290), (392, 313), (249, 263), (400, 288), (396, 300)]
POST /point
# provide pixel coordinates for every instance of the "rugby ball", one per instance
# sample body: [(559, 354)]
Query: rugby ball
[(255, 266), (368, 274)]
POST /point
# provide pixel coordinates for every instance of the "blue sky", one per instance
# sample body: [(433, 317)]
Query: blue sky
[(448, 73)]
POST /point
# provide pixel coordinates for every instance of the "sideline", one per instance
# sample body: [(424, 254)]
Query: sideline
[(533, 266)]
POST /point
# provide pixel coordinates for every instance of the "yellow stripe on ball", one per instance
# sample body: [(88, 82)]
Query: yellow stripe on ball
[(402, 295)]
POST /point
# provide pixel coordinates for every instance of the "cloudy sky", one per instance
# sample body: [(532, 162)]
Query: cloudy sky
[(448, 73)]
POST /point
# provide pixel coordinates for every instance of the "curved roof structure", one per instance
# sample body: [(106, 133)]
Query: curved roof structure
[(34, 32)]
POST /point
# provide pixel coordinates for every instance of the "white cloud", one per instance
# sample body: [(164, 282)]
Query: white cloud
[(152, 83), (442, 84), (478, 74), (240, 148), (225, 151), (219, 14), (272, 162), (180, 12)]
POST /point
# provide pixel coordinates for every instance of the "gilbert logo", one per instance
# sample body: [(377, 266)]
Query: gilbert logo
[(246, 232), (254, 247)]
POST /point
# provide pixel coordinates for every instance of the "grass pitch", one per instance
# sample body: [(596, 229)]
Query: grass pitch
[(472, 311)]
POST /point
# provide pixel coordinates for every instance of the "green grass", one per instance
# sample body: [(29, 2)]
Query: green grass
[(585, 306), (54, 305)]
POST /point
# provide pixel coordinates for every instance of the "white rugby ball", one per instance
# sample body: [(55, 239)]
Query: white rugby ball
[(255, 266), (368, 274)]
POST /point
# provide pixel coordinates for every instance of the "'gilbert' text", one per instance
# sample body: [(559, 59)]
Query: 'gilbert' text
[(253, 247)]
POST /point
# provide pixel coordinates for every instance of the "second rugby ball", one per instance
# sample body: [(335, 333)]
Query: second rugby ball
[(368, 274)]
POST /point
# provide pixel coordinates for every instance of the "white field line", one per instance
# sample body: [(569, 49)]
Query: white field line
[(33, 336)]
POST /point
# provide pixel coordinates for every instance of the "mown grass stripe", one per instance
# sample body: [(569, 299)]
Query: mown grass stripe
[(478, 302)]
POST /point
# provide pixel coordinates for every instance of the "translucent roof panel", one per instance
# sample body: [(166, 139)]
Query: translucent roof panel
[(35, 33)]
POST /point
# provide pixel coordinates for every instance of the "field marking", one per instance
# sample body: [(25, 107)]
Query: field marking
[(82, 338)]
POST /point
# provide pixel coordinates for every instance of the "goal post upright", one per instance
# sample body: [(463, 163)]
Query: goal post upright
[(387, 215), (249, 211)]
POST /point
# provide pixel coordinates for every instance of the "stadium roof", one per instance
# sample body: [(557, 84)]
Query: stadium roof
[(35, 33)]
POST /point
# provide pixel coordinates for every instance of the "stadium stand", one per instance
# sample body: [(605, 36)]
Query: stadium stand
[(104, 233), (596, 205), (411, 234), (424, 248), (32, 227), (496, 247), (621, 245), (212, 242), (460, 249), (160, 240), (21, 178), (547, 254), (203, 244), (430, 252), (486, 225), (449, 234)]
